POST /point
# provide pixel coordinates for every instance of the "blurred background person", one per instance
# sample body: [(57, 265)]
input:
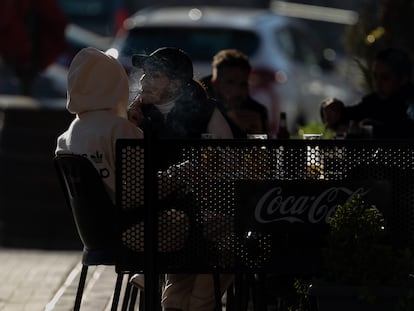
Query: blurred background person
[(229, 84), (388, 108), (332, 116)]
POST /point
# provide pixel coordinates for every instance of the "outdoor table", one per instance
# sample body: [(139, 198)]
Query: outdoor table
[(259, 206)]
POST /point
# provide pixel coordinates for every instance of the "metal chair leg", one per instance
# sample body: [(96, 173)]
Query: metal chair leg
[(81, 286), (117, 291), (230, 298), (133, 298), (127, 295), (241, 292), (259, 292), (141, 301), (217, 291)]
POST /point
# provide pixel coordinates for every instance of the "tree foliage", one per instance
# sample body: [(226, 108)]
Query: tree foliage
[(381, 24)]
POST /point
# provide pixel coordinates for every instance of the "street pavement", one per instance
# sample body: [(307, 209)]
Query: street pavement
[(44, 280)]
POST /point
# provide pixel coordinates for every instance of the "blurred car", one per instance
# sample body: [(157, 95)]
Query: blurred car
[(291, 72), (102, 17)]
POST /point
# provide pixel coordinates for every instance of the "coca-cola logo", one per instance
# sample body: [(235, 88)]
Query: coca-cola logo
[(276, 206)]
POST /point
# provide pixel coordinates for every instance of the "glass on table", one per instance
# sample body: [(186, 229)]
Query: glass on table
[(209, 136), (256, 136), (312, 136)]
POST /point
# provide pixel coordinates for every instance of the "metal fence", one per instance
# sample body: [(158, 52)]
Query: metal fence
[(257, 205)]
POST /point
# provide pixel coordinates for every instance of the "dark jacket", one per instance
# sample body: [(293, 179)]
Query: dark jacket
[(249, 104), (187, 119), (388, 116)]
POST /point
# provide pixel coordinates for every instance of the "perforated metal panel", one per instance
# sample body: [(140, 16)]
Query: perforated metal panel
[(208, 214)]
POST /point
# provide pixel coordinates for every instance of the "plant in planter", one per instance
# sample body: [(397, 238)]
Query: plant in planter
[(361, 265)]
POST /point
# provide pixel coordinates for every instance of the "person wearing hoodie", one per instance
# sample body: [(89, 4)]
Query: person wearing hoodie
[(98, 94)]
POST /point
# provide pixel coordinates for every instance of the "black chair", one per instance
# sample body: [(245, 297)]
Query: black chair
[(95, 217)]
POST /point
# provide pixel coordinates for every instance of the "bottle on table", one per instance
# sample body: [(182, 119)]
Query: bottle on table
[(283, 132)]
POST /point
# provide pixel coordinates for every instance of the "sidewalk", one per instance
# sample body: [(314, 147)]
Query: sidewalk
[(37, 280), (44, 280)]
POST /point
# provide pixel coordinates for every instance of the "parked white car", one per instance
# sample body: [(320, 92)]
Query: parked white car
[(290, 73)]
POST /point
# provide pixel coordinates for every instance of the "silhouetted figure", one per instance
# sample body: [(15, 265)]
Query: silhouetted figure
[(389, 109)]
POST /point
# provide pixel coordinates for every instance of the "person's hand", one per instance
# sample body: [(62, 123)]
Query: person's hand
[(134, 112), (331, 113)]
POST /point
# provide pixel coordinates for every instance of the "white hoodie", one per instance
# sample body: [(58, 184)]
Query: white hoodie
[(98, 92)]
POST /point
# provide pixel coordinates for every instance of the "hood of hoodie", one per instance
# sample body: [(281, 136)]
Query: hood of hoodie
[(97, 81)]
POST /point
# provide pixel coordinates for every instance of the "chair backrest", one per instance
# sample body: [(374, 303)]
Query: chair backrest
[(94, 213)]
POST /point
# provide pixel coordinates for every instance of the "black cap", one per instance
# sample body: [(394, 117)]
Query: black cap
[(175, 62)]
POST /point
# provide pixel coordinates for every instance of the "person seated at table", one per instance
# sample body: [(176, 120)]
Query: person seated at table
[(389, 109), (331, 111), (176, 106), (229, 84), (98, 91)]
